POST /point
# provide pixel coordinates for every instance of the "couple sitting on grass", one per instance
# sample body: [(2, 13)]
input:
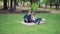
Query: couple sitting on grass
[(30, 18)]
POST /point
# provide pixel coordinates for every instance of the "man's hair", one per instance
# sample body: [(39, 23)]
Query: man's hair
[(32, 11)]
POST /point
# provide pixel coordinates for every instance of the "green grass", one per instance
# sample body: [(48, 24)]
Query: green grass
[(9, 25)]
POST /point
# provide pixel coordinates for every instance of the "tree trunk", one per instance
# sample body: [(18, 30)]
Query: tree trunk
[(46, 5), (8, 3), (5, 4), (16, 2), (14, 5), (11, 6), (39, 5), (50, 4), (23, 4), (31, 4), (57, 6)]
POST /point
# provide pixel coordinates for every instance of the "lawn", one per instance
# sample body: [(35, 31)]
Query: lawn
[(9, 24)]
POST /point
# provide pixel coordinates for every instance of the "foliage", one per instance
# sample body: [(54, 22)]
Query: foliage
[(34, 6), (18, 0)]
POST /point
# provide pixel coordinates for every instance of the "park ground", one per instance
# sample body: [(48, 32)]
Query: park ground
[(9, 24)]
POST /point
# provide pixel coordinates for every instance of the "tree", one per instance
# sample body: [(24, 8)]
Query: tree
[(11, 6), (5, 4), (57, 4), (51, 3), (33, 2), (46, 2), (54, 3), (39, 3), (14, 4)]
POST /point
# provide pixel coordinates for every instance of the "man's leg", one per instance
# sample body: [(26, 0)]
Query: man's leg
[(37, 20)]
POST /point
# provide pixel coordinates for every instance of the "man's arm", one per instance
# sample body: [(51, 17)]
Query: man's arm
[(25, 20)]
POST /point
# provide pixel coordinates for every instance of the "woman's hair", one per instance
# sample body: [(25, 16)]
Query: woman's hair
[(33, 12)]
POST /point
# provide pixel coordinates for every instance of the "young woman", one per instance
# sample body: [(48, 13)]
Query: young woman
[(35, 20)]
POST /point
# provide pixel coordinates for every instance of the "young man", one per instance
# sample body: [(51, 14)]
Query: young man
[(27, 17)]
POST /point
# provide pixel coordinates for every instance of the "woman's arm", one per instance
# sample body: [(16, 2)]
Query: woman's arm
[(32, 17)]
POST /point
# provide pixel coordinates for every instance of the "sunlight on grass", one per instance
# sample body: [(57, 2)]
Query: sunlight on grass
[(9, 25)]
